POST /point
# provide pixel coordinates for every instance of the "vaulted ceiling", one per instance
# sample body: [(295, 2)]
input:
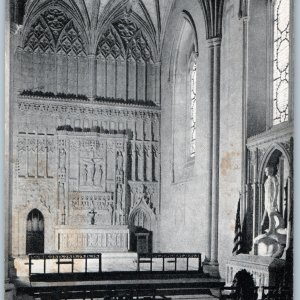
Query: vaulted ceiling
[(95, 15)]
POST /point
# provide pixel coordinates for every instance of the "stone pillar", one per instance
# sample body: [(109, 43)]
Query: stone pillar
[(214, 145), (215, 44), (243, 14), (93, 77)]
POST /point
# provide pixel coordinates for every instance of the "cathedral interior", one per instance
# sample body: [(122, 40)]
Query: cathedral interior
[(151, 126)]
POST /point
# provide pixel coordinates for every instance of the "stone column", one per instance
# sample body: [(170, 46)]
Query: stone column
[(214, 145), (92, 72), (243, 14)]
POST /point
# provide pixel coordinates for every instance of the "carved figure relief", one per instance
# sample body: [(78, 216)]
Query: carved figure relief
[(61, 192), (62, 159), (98, 175), (120, 167)]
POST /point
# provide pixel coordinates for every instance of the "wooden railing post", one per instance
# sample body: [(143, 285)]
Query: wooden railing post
[(44, 264), (29, 265), (100, 263), (58, 264), (187, 263), (85, 263), (72, 264)]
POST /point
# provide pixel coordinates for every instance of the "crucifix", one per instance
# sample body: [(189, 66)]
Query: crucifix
[(92, 213)]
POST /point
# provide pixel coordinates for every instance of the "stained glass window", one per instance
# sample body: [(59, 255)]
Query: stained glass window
[(193, 112), (281, 60)]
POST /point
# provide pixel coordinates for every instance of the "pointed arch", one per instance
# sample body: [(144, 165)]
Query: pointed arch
[(61, 13), (133, 20), (35, 232), (70, 40), (40, 37), (142, 209), (266, 157)]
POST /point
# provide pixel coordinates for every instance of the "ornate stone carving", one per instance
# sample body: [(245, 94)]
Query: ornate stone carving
[(126, 29), (93, 240), (39, 38), (143, 192), (56, 21), (120, 167), (74, 109), (37, 191), (110, 44), (71, 42), (53, 32)]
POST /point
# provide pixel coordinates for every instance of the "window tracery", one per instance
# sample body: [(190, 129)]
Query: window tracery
[(281, 52)]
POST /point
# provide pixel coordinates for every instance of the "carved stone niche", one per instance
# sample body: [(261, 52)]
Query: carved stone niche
[(273, 216)]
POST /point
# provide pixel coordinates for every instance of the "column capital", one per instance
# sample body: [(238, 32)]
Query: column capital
[(91, 56), (214, 42)]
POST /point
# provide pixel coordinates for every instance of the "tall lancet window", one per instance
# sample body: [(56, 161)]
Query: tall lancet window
[(281, 55), (193, 111)]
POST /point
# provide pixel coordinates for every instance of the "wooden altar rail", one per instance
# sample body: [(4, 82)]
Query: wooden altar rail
[(64, 259), (147, 258)]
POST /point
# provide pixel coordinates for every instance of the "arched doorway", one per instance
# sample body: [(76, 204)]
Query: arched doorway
[(35, 232), (141, 221)]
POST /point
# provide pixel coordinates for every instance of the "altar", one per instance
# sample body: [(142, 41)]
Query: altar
[(91, 239)]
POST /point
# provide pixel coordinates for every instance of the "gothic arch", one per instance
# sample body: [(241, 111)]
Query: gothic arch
[(142, 208), (35, 238), (67, 15), (140, 24), (21, 227), (267, 156)]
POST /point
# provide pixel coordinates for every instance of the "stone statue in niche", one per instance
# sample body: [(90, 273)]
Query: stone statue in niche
[(61, 192), (98, 175), (62, 159), (91, 172), (120, 170), (118, 214), (119, 194), (272, 242), (85, 174)]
